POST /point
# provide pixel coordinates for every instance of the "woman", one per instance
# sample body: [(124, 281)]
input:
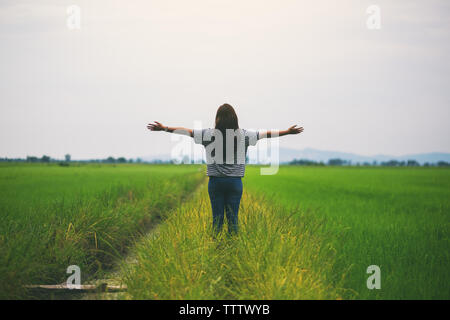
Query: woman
[(226, 147)]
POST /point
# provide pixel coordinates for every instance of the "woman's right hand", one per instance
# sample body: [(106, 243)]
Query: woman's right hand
[(156, 126), (295, 130)]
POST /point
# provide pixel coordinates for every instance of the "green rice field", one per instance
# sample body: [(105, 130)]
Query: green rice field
[(305, 233), (86, 215)]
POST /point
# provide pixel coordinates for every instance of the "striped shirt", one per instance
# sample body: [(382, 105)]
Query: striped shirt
[(226, 153)]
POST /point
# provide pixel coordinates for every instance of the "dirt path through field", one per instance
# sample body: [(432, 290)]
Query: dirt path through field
[(278, 254), (114, 277)]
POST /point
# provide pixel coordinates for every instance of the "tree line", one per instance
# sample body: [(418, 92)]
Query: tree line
[(390, 163), (302, 162), (67, 159)]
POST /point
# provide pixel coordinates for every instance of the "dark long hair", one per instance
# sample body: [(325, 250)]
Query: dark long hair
[(226, 118)]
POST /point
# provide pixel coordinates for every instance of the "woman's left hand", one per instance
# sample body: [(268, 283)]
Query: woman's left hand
[(156, 126)]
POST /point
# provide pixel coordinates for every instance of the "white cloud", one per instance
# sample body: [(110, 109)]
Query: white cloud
[(91, 92)]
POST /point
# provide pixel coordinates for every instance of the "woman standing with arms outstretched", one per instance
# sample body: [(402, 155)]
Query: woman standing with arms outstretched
[(226, 148)]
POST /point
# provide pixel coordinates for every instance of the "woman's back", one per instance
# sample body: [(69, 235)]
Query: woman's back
[(226, 151)]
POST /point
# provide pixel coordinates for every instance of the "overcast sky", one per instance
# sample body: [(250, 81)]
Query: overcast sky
[(90, 92)]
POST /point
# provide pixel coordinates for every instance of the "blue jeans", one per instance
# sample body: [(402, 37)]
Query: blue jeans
[(225, 194)]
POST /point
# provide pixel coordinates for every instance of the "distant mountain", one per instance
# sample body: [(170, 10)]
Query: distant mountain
[(287, 155)]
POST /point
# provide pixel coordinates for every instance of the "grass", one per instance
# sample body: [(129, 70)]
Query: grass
[(86, 215), (272, 258), (396, 218), (305, 233)]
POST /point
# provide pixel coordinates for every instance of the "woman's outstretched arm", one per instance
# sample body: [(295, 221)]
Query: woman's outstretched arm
[(270, 133), (157, 126)]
